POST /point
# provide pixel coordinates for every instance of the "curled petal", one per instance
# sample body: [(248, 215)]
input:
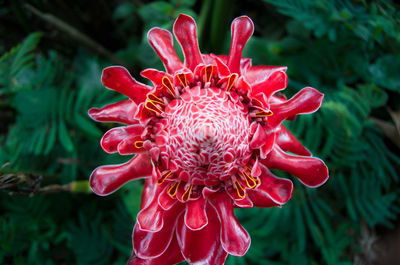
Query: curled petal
[(288, 142), (154, 76), (234, 238), (153, 244), (261, 198), (107, 179), (280, 190), (202, 246), (306, 100), (171, 256), (150, 218), (311, 171), (195, 216), (111, 139), (275, 82), (118, 78), (162, 42), (122, 111), (259, 73), (242, 28), (185, 31), (259, 137)]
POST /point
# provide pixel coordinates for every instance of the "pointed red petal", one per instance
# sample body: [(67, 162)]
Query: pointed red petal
[(155, 76), (202, 246), (311, 171), (162, 42), (153, 244), (275, 82), (259, 73), (288, 142), (280, 190), (122, 111), (185, 31), (234, 238), (171, 256), (305, 101), (150, 218), (259, 137), (195, 216), (118, 78), (107, 179), (111, 139), (242, 28), (261, 198)]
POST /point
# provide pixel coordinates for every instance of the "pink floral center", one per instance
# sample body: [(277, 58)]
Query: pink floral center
[(207, 136)]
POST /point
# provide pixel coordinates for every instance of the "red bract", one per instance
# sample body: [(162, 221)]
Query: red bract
[(205, 135)]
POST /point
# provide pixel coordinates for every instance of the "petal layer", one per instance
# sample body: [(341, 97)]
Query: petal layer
[(122, 111), (311, 171), (107, 179)]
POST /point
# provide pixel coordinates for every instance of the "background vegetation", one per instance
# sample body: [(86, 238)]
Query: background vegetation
[(52, 56)]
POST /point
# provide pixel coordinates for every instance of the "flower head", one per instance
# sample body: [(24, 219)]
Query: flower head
[(205, 135)]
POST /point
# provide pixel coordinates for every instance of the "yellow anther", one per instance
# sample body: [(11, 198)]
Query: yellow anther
[(239, 190), (164, 176), (208, 71), (138, 144), (154, 98), (153, 107), (187, 192), (231, 81), (168, 85), (182, 78), (250, 181), (173, 189), (262, 113)]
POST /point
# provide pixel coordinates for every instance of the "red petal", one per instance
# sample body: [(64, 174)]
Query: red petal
[(234, 238), (118, 78), (280, 190), (269, 143), (275, 82), (129, 146), (259, 137), (153, 244), (242, 28), (162, 42), (171, 256), (155, 76), (111, 139), (122, 111), (311, 171), (150, 218), (287, 142), (261, 198), (202, 246), (185, 31), (259, 73), (195, 216), (107, 179), (306, 100)]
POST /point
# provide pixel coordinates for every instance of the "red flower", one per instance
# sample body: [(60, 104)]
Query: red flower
[(205, 137)]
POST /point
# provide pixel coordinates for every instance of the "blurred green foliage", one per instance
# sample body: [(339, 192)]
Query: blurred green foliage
[(349, 50)]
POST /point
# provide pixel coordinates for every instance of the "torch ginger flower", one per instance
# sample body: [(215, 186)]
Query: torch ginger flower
[(205, 135)]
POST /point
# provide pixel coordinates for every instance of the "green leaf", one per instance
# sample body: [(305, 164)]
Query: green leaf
[(64, 137)]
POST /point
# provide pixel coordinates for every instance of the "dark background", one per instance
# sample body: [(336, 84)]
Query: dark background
[(52, 56)]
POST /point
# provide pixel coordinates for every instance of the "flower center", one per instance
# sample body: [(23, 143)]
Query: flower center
[(207, 136)]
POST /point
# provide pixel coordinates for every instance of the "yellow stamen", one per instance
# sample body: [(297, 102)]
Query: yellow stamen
[(250, 181), (153, 107), (208, 70), (231, 81), (168, 85), (188, 193), (164, 176), (174, 189), (182, 78), (239, 190), (138, 144), (262, 113), (154, 98)]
